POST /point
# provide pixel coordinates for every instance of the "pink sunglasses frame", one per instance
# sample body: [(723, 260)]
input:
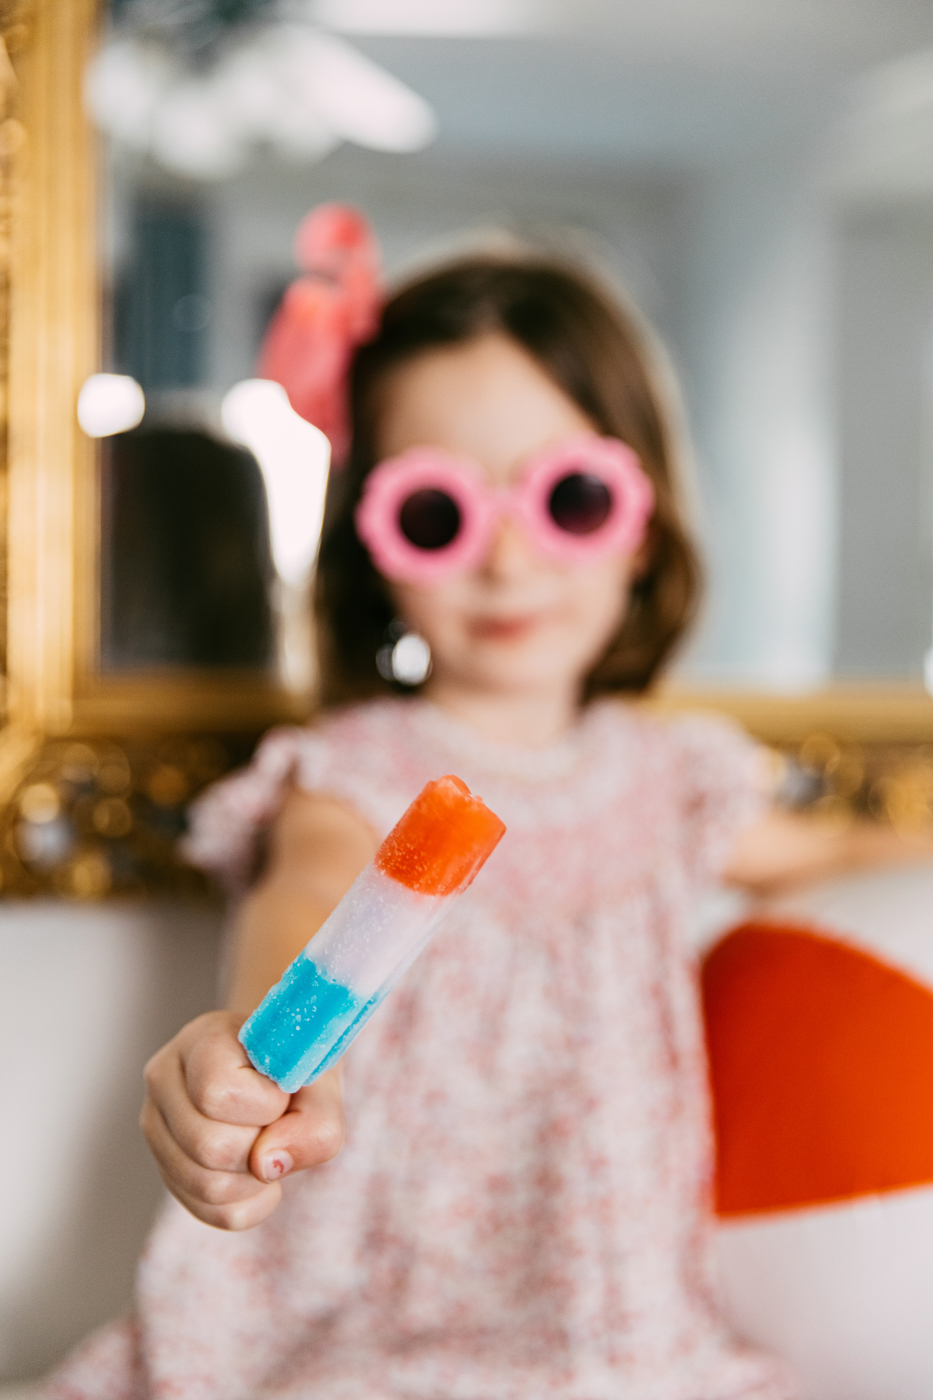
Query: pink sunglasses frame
[(391, 482)]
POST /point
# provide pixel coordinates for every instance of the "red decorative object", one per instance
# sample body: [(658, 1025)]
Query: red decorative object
[(325, 314)]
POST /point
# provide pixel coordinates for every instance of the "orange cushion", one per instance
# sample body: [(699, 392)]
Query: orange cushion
[(821, 1060)]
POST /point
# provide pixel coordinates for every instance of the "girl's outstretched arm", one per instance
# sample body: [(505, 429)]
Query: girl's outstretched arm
[(785, 849), (222, 1134)]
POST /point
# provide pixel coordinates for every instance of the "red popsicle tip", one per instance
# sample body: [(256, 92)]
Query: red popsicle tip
[(442, 841)]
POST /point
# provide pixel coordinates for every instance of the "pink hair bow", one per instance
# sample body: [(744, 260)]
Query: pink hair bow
[(324, 315)]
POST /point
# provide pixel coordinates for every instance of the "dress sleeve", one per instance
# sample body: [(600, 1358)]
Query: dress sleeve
[(724, 783), (227, 822)]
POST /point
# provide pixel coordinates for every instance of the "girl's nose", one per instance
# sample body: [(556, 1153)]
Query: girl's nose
[(510, 552)]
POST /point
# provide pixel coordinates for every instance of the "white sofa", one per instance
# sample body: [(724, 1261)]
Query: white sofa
[(86, 993)]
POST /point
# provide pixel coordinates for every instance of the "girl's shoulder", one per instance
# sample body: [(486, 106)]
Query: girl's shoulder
[(717, 779), (345, 754), (689, 749), (697, 741)]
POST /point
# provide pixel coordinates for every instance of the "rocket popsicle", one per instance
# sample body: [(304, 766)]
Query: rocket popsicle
[(325, 997)]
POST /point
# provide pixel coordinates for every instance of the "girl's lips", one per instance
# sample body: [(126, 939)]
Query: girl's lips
[(504, 629)]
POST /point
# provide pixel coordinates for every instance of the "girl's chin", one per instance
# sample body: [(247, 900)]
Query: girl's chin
[(506, 668)]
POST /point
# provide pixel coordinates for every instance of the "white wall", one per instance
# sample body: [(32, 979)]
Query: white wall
[(885, 398), (631, 220), (757, 336), (87, 993)]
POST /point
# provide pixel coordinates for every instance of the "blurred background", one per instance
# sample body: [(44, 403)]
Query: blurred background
[(759, 177)]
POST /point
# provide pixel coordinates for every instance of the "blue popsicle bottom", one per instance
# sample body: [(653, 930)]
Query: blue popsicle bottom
[(304, 1024)]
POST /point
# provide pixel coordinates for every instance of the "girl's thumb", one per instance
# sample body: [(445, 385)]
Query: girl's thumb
[(309, 1132)]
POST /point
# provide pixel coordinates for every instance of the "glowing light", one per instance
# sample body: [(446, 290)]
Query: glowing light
[(110, 403), (293, 457), (191, 133), (356, 99), (124, 86), (290, 86)]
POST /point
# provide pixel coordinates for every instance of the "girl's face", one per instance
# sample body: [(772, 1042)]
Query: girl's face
[(520, 622)]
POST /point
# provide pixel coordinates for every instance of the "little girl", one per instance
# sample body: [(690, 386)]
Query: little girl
[(521, 1205)]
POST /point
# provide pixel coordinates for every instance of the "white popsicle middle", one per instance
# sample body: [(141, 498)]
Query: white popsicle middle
[(327, 994)]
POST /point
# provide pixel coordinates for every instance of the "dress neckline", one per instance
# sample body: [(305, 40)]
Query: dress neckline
[(560, 758)]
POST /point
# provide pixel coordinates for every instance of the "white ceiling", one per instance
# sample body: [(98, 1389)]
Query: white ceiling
[(668, 83)]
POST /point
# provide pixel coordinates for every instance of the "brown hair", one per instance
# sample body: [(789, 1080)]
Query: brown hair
[(594, 349)]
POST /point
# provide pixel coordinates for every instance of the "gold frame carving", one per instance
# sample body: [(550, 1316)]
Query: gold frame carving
[(867, 714), (59, 714)]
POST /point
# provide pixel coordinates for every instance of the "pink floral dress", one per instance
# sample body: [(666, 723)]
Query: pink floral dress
[(521, 1207)]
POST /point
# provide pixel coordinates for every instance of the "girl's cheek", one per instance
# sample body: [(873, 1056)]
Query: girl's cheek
[(608, 586), (426, 610), (604, 603)]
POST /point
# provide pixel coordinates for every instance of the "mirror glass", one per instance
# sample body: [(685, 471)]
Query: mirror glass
[(759, 177)]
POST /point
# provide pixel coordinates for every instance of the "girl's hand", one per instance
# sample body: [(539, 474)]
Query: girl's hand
[(786, 849), (224, 1135)]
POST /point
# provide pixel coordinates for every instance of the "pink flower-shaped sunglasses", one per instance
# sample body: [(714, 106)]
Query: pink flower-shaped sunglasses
[(426, 513)]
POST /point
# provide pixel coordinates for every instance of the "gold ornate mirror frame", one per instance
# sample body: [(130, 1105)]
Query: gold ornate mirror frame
[(120, 755), (64, 723), (55, 336)]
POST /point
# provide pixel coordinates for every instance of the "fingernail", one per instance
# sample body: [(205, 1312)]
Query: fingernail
[(276, 1164)]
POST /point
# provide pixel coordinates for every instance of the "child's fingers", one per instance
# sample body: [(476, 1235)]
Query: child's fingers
[(189, 1178), (222, 1134), (221, 1082), (308, 1134), (216, 1146), (238, 1215), (228, 1201)]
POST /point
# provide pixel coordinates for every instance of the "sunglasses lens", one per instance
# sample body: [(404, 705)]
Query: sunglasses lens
[(580, 503), (429, 519)]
